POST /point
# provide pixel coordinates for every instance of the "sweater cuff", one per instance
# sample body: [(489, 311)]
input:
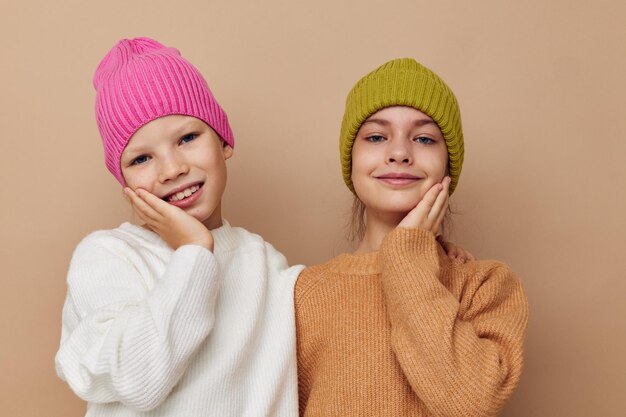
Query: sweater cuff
[(194, 260), (190, 285), (410, 267), (413, 244)]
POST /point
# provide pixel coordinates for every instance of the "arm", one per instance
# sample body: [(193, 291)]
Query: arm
[(124, 342), (462, 354)]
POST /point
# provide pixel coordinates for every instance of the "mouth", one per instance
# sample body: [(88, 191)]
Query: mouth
[(183, 193), (398, 178)]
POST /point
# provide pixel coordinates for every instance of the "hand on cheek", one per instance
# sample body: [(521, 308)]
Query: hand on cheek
[(430, 211), (174, 225)]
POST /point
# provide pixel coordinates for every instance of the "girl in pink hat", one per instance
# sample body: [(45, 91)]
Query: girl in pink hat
[(184, 315)]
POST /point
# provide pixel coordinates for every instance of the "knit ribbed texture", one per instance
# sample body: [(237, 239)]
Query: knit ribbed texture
[(152, 332), (406, 331), (140, 80), (403, 82)]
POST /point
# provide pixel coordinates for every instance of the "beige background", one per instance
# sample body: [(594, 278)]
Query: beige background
[(542, 90)]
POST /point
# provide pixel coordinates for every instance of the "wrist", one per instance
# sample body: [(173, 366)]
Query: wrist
[(417, 241), (205, 241)]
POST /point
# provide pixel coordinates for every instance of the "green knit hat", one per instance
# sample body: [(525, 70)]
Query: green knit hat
[(403, 82)]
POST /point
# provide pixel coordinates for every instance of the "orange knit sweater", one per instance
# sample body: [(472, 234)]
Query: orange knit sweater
[(406, 331)]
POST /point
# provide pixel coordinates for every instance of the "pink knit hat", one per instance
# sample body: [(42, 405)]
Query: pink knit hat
[(140, 80)]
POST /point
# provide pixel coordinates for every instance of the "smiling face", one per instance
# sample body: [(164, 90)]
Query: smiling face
[(399, 153), (181, 160)]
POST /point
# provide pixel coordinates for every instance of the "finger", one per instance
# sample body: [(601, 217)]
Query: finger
[(126, 197), (158, 205), (441, 200), (450, 249), (144, 219), (467, 256), (143, 209), (441, 205), (139, 215), (425, 205), (436, 226)]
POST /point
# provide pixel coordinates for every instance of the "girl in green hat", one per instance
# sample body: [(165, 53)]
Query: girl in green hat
[(398, 328)]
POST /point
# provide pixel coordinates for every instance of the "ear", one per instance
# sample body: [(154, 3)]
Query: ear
[(227, 150)]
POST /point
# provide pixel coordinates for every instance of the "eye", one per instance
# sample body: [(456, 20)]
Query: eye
[(140, 160), (375, 138), (188, 138), (424, 140)]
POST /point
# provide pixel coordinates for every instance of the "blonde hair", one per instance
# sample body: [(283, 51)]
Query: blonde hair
[(356, 224)]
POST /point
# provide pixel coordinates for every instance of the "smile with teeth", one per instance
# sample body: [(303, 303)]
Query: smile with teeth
[(183, 194)]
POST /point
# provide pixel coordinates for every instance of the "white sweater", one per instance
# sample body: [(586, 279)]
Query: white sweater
[(148, 331)]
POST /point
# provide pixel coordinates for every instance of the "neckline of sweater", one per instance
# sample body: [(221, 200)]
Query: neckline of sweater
[(225, 236), (356, 263)]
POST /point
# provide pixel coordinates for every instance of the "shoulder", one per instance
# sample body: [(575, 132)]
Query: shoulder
[(127, 246), (109, 256), (312, 278), (118, 241), (242, 240), (249, 243), (101, 241), (230, 238)]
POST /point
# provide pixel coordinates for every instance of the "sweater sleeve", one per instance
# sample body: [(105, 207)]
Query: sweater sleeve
[(460, 346), (122, 341)]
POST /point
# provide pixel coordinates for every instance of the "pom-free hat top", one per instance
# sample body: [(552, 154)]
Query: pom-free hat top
[(403, 82), (140, 80)]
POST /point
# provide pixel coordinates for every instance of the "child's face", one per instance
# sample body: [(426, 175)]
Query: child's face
[(399, 153), (181, 160)]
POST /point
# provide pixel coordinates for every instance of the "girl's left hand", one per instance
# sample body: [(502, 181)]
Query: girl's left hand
[(429, 212)]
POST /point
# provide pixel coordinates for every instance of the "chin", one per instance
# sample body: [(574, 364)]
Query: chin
[(200, 214), (401, 204), (395, 209)]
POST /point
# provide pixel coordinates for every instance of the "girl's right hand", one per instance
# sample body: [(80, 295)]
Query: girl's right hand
[(173, 224), (429, 212)]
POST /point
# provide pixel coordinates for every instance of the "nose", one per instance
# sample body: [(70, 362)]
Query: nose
[(171, 168), (398, 152)]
